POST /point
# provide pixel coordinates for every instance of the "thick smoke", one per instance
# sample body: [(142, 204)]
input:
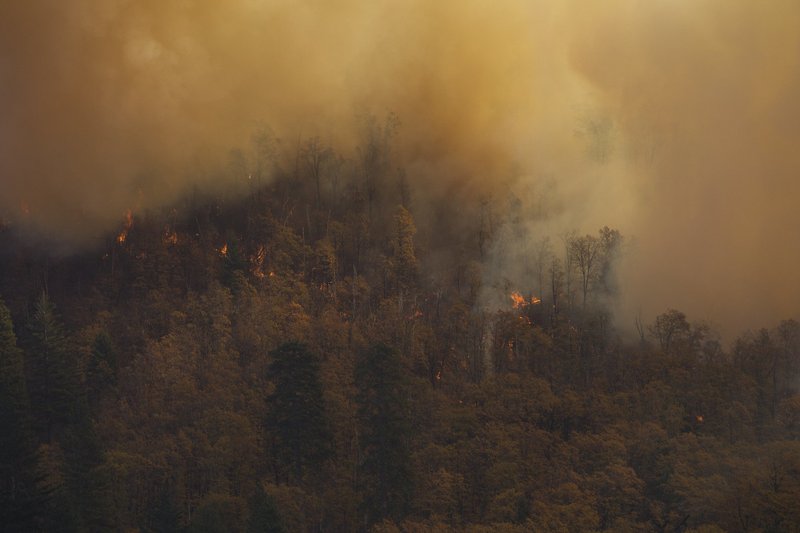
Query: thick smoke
[(674, 120), (706, 93)]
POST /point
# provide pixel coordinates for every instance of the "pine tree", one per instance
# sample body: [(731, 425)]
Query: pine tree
[(384, 425), (61, 408), (163, 514), (19, 496), (296, 417), (86, 480), (52, 372), (101, 370), (264, 515), (219, 513)]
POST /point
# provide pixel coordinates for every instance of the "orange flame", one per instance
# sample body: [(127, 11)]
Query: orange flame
[(123, 235), (224, 250), (517, 300)]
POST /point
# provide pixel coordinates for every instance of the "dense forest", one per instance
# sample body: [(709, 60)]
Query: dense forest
[(306, 354)]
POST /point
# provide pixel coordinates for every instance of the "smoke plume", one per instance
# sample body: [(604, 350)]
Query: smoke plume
[(674, 120)]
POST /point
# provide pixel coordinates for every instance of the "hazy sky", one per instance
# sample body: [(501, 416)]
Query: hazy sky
[(676, 121)]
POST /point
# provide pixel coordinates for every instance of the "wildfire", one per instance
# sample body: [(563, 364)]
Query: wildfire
[(416, 314), (257, 262), (170, 236), (123, 235), (224, 250), (518, 301)]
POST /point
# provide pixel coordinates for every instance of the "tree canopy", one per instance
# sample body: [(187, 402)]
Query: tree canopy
[(321, 353)]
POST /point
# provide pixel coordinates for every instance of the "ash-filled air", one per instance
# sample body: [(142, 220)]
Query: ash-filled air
[(675, 121)]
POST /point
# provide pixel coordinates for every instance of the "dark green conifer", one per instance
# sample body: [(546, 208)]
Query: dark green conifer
[(296, 418), (20, 498), (264, 515), (52, 372), (384, 425), (101, 370)]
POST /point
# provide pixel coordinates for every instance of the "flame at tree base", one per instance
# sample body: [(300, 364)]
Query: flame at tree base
[(123, 235)]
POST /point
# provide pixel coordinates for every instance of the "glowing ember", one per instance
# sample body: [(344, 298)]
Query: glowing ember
[(123, 235), (170, 237), (416, 314), (224, 250), (257, 262)]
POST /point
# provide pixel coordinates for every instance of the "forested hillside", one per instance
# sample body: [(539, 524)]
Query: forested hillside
[(323, 352)]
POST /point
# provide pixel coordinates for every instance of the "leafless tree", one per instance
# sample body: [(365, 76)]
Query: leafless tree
[(584, 252)]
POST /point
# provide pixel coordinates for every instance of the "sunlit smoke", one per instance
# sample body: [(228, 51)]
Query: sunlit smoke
[(674, 121)]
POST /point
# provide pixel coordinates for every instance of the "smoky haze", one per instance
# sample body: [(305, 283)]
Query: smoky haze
[(675, 121)]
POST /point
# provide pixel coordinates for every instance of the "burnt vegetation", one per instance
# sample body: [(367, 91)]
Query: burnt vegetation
[(309, 356)]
